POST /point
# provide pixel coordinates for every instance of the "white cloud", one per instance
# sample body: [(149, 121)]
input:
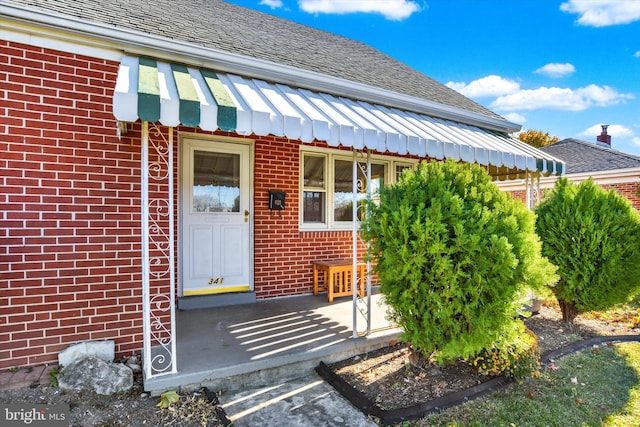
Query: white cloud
[(618, 131), (515, 118), (273, 4), (560, 98), (487, 86), (637, 54), (556, 70), (636, 141), (395, 10), (602, 13)]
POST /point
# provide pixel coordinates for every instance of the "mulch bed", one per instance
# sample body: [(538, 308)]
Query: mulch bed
[(383, 384)]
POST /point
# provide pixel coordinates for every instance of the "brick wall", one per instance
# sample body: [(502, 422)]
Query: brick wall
[(629, 190), (70, 210), (519, 195), (283, 254), (70, 267)]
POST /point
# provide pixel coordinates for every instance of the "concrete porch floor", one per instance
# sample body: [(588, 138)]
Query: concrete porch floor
[(242, 346)]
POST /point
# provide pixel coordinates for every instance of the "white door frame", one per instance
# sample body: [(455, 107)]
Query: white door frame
[(208, 142)]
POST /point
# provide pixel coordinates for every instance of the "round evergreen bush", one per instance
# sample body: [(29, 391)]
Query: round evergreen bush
[(593, 236), (453, 255)]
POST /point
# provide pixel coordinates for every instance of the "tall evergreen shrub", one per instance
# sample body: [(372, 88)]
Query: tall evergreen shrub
[(593, 237), (453, 253)]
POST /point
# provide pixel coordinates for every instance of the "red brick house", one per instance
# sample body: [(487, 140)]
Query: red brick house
[(187, 154), (608, 167)]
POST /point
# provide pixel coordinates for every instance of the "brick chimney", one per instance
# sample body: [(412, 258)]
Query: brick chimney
[(604, 140)]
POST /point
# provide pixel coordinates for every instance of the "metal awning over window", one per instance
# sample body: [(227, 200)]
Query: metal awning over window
[(174, 94)]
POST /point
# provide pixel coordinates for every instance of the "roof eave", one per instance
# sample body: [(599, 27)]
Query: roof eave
[(139, 43), (608, 177)]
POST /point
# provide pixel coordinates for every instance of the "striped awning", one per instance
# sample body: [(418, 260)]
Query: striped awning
[(174, 94)]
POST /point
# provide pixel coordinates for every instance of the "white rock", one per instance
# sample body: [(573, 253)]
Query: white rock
[(104, 349), (94, 373)]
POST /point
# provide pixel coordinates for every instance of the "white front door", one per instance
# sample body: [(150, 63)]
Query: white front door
[(215, 217)]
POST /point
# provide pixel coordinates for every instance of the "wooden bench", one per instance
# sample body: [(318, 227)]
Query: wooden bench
[(336, 278)]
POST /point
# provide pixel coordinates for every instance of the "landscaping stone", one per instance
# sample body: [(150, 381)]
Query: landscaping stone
[(104, 349), (94, 373), (133, 363)]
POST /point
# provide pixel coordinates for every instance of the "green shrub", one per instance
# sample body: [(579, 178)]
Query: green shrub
[(593, 237), (515, 354), (453, 254)]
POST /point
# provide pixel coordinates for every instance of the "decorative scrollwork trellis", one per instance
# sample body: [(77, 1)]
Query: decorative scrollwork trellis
[(361, 186), (158, 252)]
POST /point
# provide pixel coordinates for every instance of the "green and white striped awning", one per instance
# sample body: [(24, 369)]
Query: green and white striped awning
[(174, 94)]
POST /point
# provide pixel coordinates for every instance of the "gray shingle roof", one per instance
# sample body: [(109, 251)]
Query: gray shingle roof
[(582, 156), (228, 27)]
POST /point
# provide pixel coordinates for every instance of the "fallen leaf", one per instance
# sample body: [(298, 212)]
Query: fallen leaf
[(578, 400), (603, 407), (167, 398), (530, 395), (574, 380), (553, 367), (596, 351)]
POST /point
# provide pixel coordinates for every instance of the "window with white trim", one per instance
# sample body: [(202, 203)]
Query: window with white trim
[(314, 194), (401, 167), (327, 186)]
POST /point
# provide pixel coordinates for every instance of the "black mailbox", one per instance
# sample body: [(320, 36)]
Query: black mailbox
[(277, 200)]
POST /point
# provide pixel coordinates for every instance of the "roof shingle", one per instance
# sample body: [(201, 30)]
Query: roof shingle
[(582, 156), (235, 29)]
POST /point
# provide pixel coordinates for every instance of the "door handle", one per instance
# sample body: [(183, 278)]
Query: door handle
[(246, 216)]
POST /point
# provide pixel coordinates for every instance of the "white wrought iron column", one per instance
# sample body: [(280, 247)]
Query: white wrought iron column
[(360, 305), (536, 189), (532, 189), (158, 266), (527, 189)]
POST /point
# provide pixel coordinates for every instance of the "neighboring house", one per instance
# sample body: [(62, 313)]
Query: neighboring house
[(146, 144), (608, 167)]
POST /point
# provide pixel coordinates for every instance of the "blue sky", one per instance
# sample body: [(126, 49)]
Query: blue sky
[(560, 66)]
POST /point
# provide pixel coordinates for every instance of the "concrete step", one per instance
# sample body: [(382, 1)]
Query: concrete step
[(303, 402), (265, 372)]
